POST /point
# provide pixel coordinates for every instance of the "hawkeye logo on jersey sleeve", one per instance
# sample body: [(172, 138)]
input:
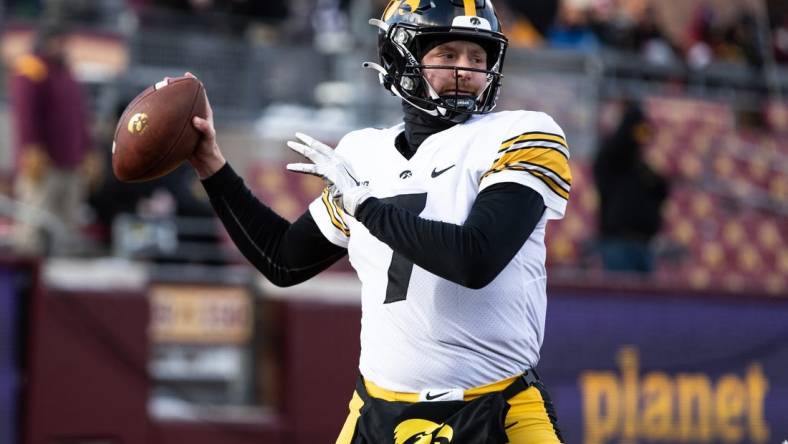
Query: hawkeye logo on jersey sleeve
[(422, 431)]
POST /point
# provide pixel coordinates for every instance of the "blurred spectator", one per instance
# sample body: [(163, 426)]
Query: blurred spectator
[(604, 21), (702, 37), (741, 41), (780, 37), (631, 195), (572, 29), (330, 25), (588, 25), (778, 23), (711, 38), (633, 29), (652, 41), (52, 136), (539, 15), (520, 31)]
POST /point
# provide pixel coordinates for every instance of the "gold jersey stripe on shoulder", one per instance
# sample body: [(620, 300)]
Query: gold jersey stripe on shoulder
[(31, 67), (544, 157), (334, 214), (534, 144), (470, 7), (533, 136), (559, 190), (558, 184), (563, 179)]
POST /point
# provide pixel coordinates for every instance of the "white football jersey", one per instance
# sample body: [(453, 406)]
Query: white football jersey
[(419, 330)]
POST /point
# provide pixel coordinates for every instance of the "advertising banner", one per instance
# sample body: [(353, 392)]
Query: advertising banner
[(8, 364), (667, 369), (200, 314)]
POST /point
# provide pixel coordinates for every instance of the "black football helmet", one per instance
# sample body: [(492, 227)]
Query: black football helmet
[(409, 28)]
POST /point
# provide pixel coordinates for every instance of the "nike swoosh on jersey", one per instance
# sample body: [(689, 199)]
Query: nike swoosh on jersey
[(430, 396), (436, 173)]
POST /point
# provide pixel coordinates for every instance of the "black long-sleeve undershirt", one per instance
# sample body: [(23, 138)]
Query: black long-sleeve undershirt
[(286, 254), (473, 254)]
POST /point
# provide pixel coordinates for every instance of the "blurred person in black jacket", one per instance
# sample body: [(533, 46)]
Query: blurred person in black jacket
[(631, 195)]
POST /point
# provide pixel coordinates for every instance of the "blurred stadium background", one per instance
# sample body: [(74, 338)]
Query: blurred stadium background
[(154, 329)]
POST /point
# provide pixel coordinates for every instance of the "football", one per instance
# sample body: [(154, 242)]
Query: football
[(155, 133)]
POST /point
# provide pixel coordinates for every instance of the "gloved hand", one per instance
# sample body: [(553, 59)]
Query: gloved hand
[(344, 186)]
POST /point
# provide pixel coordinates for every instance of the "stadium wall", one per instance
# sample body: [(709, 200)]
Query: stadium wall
[(654, 368), (632, 365), (9, 365)]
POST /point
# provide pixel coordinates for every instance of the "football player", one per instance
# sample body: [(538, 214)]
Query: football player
[(443, 217)]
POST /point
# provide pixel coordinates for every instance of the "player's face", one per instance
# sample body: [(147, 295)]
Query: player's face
[(456, 54)]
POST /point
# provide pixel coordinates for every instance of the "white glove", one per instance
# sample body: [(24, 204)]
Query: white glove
[(344, 187)]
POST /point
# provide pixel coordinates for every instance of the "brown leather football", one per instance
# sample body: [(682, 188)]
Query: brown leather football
[(155, 133)]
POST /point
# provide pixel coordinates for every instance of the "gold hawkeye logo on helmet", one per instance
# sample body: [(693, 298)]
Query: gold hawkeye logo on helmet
[(401, 6), (422, 431), (138, 123)]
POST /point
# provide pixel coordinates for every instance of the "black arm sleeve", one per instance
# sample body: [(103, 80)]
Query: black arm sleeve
[(472, 254), (287, 254)]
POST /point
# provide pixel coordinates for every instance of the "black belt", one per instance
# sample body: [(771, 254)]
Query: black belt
[(522, 383)]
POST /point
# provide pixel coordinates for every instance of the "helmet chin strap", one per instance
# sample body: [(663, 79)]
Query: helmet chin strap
[(484, 91)]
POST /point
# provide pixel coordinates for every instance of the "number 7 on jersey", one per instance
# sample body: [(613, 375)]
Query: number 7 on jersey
[(401, 268)]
